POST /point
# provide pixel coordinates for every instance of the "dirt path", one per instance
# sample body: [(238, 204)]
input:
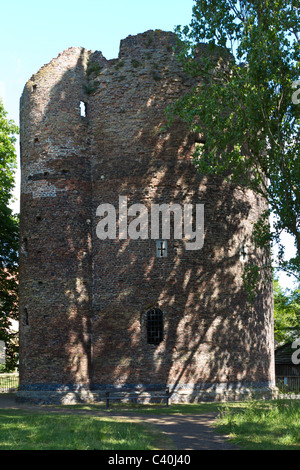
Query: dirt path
[(188, 432)]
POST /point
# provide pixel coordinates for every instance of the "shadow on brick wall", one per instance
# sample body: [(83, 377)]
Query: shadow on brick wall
[(88, 298)]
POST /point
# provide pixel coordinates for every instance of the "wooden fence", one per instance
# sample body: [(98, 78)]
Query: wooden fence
[(289, 383)]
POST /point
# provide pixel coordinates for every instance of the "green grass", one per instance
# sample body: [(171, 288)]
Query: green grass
[(265, 425), (262, 425), (24, 430)]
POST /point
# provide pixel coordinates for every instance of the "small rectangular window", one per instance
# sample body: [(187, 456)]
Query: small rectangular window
[(161, 249), (82, 109), (155, 326), (25, 317)]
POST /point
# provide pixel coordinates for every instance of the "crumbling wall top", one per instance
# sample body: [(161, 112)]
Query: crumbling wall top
[(150, 41)]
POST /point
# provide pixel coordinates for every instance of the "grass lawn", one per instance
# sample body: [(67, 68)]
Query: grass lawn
[(266, 425), (255, 424), (262, 425), (24, 430)]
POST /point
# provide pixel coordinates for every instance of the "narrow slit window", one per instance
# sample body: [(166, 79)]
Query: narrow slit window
[(161, 249), (155, 326), (82, 109), (199, 148), (25, 245), (243, 252), (26, 318)]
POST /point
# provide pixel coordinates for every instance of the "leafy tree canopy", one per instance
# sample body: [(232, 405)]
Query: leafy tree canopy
[(286, 314), (247, 108), (8, 237)]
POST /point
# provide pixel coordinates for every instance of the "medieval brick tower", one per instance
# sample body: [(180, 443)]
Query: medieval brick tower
[(141, 312)]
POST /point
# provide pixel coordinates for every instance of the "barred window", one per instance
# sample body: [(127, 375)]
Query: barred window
[(155, 326)]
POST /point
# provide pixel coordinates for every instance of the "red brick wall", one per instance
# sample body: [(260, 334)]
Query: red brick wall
[(87, 298)]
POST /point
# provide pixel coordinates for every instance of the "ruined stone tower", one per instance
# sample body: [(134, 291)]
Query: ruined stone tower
[(87, 304)]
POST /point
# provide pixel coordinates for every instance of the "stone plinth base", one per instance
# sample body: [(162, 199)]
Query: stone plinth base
[(146, 394)]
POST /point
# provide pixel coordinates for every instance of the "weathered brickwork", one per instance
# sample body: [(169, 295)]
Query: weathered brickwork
[(84, 301)]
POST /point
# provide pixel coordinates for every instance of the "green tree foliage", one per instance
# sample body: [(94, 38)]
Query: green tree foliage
[(247, 108), (286, 314), (8, 238)]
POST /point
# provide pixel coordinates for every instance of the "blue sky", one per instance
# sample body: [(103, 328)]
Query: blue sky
[(33, 32)]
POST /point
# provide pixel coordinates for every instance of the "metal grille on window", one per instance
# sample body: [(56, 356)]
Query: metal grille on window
[(155, 326)]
